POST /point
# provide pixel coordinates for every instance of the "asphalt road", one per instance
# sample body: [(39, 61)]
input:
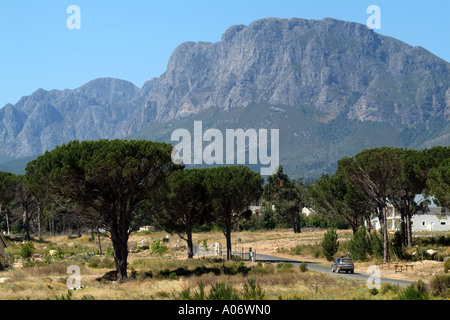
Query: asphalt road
[(327, 270)]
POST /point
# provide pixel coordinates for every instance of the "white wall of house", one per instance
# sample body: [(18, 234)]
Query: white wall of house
[(431, 221), (434, 220)]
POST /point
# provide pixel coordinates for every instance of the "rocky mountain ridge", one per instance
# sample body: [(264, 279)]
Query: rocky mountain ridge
[(329, 72)]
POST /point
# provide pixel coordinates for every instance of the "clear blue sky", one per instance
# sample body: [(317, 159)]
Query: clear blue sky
[(133, 40)]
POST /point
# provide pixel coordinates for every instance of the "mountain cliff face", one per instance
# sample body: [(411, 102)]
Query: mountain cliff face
[(332, 78), (332, 65)]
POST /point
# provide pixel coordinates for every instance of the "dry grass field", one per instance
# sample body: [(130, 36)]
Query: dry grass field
[(170, 275)]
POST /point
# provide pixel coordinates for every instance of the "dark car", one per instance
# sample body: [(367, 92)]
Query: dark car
[(343, 264)]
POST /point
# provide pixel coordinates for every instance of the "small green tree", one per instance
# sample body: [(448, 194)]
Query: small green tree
[(358, 246), (330, 244), (27, 251), (376, 245), (397, 245), (158, 248)]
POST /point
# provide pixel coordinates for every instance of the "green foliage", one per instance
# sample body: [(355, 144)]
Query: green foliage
[(103, 263), (231, 190), (223, 291), (285, 267), (416, 291), (303, 267), (27, 250), (287, 196), (376, 244), (296, 251), (159, 248), (109, 252), (104, 181), (440, 285), (447, 265), (397, 245), (330, 244), (359, 245), (252, 291), (439, 183)]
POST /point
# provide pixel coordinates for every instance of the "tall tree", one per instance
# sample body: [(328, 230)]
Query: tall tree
[(107, 180), (439, 184), (6, 194), (232, 189), (287, 196), (374, 171), (336, 196), (184, 204)]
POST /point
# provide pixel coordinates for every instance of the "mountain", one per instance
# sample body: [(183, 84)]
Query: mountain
[(331, 87)]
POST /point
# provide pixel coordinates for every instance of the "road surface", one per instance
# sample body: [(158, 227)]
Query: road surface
[(323, 269)]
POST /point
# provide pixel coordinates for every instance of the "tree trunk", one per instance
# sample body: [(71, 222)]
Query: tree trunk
[(7, 223), (39, 220), (99, 242), (382, 218), (26, 224), (119, 238), (296, 223), (190, 245), (228, 238), (408, 230)]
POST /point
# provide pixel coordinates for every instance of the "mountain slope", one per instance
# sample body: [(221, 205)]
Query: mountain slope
[(332, 87)]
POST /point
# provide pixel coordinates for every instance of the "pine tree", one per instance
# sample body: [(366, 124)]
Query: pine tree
[(330, 244), (359, 245)]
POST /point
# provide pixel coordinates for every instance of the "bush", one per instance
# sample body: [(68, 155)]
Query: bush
[(330, 244), (376, 245), (223, 291), (97, 262), (303, 267), (440, 285), (447, 265), (3, 264), (253, 291), (296, 251), (397, 245), (285, 266), (416, 291), (27, 251), (158, 248), (359, 245)]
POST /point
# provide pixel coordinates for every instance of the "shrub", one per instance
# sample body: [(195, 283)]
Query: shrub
[(303, 267), (27, 251), (296, 251), (359, 245), (158, 248), (447, 265), (330, 244), (376, 245), (440, 284), (397, 245), (415, 291), (3, 263), (222, 291), (284, 266), (253, 291)]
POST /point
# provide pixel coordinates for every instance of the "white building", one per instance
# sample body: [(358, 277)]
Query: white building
[(436, 219)]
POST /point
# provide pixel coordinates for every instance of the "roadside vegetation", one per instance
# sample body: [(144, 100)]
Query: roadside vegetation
[(83, 204)]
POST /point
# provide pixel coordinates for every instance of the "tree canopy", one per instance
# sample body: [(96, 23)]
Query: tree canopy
[(107, 180)]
